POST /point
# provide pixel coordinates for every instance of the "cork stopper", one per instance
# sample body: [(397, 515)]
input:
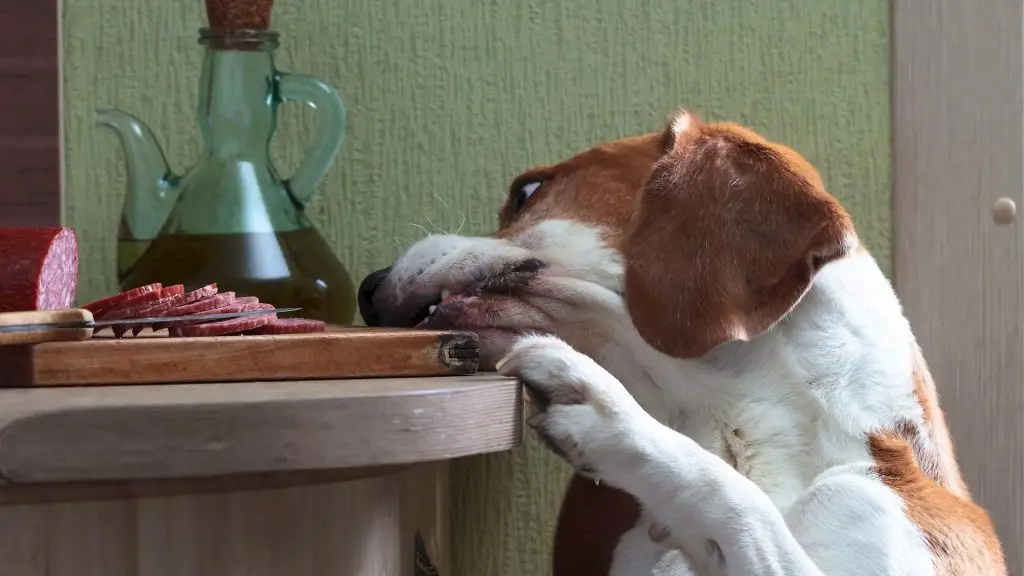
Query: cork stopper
[(239, 14)]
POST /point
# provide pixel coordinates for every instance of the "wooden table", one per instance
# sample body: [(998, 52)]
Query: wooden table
[(299, 478)]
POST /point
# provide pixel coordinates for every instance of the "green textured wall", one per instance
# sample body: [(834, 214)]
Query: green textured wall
[(451, 98)]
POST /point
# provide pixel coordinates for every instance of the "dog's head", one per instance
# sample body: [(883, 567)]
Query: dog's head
[(698, 235)]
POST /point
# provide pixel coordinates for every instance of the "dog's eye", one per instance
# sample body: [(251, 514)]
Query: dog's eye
[(525, 191)]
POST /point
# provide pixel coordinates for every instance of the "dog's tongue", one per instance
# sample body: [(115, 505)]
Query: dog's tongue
[(424, 323)]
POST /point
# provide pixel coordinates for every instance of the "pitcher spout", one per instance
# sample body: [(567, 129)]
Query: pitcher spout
[(152, 187)]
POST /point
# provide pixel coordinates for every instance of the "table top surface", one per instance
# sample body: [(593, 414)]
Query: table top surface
[(159, 432)]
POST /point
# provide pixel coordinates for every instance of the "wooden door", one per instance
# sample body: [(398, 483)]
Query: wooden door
[(958, 122), (29, 113)]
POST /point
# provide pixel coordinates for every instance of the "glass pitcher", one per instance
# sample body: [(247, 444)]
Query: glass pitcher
[(231, 219)]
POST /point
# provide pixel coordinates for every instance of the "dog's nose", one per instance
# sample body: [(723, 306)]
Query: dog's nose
[(367, 288)]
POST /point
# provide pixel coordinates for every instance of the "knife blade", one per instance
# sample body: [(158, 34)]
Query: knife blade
[(78, 324), (97, 324)]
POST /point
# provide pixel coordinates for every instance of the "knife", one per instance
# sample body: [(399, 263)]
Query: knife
[(78, 324)]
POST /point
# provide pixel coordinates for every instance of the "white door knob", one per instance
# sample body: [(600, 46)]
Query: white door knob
[(1004, 211)]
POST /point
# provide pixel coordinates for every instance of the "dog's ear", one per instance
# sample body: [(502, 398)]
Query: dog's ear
[(730, 232)]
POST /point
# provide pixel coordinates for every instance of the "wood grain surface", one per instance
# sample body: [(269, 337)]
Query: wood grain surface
[(337, 353), (426, 509), (129, 433), (342, 529), (958, 124), (29, 114), (78, 316)]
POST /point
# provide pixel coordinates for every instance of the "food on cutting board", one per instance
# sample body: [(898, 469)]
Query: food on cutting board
[(39, 271), (290, 326), (155, 300), (38, 268)]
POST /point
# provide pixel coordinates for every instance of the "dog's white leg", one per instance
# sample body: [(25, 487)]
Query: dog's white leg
[(636, 553), (639, 554), (848, 517), (718, 518)]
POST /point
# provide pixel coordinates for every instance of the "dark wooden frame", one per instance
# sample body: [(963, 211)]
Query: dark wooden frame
[(30, 147)]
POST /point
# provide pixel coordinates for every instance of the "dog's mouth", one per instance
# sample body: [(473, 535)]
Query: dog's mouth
[(449, 307)]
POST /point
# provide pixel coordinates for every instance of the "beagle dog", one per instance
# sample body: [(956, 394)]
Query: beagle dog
[(700, 328)]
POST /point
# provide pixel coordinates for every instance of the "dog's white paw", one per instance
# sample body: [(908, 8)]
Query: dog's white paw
[(584, 414)]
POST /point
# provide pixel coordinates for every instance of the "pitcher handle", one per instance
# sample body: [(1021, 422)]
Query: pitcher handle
[(330, 132)]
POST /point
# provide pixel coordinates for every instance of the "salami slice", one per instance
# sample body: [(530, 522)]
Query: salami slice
[(128, 308), (181, 300), (247, 300), (38, 268), (144, 310), (208, 291), (117, 299), (204, 306), (176, 290), (290, 326), (223, 327), (228, 309)]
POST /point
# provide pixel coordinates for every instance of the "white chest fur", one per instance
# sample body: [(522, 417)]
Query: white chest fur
[(798, 400)]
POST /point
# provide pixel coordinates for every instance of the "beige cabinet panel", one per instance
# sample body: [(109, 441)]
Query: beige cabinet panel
[(958, 127)]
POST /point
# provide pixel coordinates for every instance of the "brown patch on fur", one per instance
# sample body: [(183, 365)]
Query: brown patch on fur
[(730, 232), (959, 533), (933, 447), (600, 186), (592, 520)]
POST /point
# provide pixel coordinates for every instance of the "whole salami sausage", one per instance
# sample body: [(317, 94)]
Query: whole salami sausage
[(38, 268)]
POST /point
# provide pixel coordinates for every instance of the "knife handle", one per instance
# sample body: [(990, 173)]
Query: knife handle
[(69, 315)]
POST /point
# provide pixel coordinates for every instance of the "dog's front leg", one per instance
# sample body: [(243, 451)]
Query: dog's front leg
[(720, 520), (642, 551)]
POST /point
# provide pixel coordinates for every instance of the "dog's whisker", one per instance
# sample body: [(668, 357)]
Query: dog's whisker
[(401, 243), (436, 228), (461, 223), (449, 210), (415, 225), (441, 200)]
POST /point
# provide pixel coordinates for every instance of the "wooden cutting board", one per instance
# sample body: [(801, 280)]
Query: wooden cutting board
[(349, 352)]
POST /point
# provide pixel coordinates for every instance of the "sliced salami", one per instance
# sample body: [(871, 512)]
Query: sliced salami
[(205, 292), (232, 308), (290, 326), (144, 310), (247, 300), (117, 299), (201, 293), (176, 290), (38, 268), (128, 308), (204, 305), (223, 327)]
